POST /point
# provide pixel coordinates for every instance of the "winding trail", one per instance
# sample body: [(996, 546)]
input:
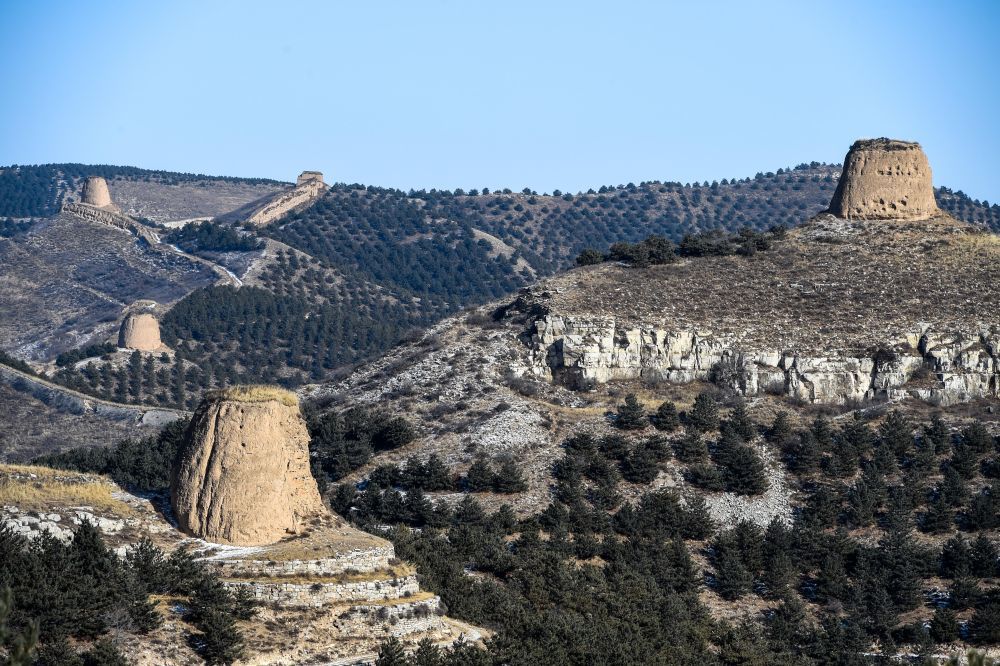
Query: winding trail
[(71, 400), (153, 239)]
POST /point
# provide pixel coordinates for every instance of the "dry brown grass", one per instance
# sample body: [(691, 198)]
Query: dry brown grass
[(255, 393), (829, 286), (35, 488), (398, 601), (322, 541)]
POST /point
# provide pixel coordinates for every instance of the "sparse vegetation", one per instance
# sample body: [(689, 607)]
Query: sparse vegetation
[(255, 393)]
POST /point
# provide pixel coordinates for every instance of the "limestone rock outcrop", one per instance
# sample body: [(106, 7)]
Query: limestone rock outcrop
[(140, 331), (308, 188), (885, 179), (578, 351), (882, 297), (243, 477), (97, 194)]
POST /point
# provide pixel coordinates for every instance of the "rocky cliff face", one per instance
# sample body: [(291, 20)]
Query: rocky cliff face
[(939, 368), (840, 311), (244, 476), (885, 179)]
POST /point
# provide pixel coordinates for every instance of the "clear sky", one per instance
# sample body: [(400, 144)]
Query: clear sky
[(450, 94)]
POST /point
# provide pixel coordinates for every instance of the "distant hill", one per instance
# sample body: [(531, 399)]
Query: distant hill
[(38, 190), (349, 276)]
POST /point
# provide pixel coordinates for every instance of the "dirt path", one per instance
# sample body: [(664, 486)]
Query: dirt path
[(153, 238), (66, 398)]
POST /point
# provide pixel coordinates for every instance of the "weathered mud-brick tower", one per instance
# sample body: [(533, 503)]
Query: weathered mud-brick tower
[(97, 194), (244, 477), (885, 179)]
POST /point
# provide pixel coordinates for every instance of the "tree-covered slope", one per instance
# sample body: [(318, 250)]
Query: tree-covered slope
[(363, 265)]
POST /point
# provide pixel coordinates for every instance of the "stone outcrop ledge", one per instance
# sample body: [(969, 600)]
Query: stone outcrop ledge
[(941, 368)]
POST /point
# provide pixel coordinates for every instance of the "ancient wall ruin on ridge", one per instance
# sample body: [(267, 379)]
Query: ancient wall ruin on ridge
[(307, 177), (885, 179), (308, 188), (96, 205)]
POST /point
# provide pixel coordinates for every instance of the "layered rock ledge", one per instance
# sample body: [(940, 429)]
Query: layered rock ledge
[(840, 311)]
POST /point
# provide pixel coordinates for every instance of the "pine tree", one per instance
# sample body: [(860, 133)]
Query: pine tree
[(963, 593), (691, 447), (57, 652), (944, 625), (639, 466), (391, 653), (419, 510), (803, 454), (704, 415), (977, 438), (741, 423), (509, 478), (780, 430), (984, 627), (698, 523), (479, 478), (105, 653), (985, 557), (956, 558), (631, 415), (823, 432), (861, 504), (896, 433), (857, 436), (220, 641), (427, 654), (779, 576), (18, 647), (832, 581), (939, 516), (937, 434), (733, 580), (436, 474), (614, 446), (963, 460), (744, 472), (665, 419)]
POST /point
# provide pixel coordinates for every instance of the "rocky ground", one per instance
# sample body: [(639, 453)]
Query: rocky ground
[(330, 596), (465, 382), (162, 202), (67, 281)]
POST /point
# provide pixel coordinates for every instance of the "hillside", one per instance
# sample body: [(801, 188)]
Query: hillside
[(333, 284), (764, 445), (791, 436), (113, 565)]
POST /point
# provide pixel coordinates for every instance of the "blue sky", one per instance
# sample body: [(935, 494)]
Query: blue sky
[(451, 94)]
